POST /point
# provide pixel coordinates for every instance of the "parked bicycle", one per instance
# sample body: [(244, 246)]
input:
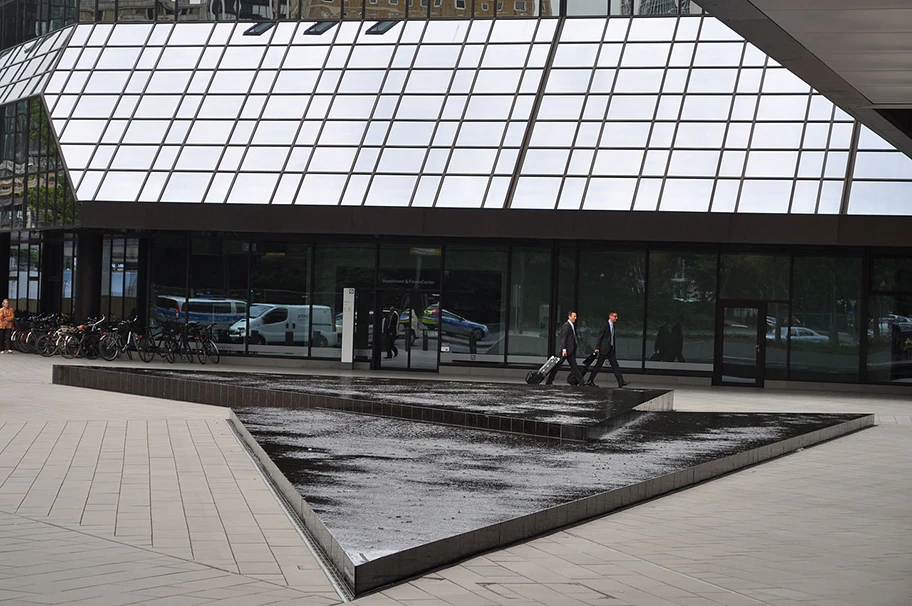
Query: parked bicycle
[(121, 340)]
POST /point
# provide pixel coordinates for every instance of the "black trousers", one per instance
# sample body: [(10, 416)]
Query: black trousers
[(612, 359), (5, 334), (391, 349), (574, 369)]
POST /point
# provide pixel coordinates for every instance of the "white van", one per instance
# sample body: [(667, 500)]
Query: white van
[(272, 324)]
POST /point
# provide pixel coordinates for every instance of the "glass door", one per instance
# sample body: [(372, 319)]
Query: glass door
[(408, 330), (740, 343)]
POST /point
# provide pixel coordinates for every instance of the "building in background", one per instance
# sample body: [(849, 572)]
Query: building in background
[(483, 176)]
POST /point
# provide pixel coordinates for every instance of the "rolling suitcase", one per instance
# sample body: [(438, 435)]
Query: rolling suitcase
[(584, 369), (537, 376)]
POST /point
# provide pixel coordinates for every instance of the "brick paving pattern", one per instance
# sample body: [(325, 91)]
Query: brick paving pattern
[(116, 499)]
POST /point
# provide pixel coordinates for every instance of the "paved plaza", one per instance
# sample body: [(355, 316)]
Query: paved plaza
[(116, 499)]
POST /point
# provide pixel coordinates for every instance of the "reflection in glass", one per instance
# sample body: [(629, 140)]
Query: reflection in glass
[(749, 276), (612, 281), (35, 190), (337, 268), (167, 280), (889, 336), (740, 349), (824, 332), (530, 307), (680, 328), (280, 315), (473, 316)]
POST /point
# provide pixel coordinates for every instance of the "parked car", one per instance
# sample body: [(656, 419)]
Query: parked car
[(799, 333), (273, 324), (887, 325), (453, 324)]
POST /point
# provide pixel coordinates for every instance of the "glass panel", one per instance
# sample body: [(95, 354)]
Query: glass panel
[(765, 196), (747, 276), (337, 268), (532, 192), (612, 281), (889, 330), (880, 198), (881, 165), (739, 346), (410, 267), (691, 195), (411, 316), (69, 255), (892, 274), (473, 317), (776, 355), (218, 287), (609, 194), (530, 291), (105, 305), (279, 319), (680, 326), (167, 280), (824, 333)]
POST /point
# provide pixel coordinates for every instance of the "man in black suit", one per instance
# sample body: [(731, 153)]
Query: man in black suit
[(605, 348), (390, 332), (568, 344)]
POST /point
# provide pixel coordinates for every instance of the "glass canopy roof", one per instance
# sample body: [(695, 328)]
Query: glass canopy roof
[(665, 113)]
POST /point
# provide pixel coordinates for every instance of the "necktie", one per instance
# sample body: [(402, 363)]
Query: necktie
[(611, 328)]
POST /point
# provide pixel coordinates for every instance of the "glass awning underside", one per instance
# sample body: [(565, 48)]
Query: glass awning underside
[(673, 114)]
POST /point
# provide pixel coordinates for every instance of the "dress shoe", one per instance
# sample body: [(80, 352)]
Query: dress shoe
[(624, 384), (590, 384)]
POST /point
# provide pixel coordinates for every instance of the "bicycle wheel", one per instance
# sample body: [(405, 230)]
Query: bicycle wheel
[(212, 352), (199, 349), (109, 347), (145, 347), (16, 340), (88, 347), (70, 346), (167, 348), (47, 345), (30, 342)]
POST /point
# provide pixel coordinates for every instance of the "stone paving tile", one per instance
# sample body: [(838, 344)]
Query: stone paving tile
[(96, 489)]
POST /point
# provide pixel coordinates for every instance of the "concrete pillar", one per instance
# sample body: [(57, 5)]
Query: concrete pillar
[(87, 283)]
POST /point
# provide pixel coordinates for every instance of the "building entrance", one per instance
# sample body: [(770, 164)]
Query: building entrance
[(408, 329), (740, 345)]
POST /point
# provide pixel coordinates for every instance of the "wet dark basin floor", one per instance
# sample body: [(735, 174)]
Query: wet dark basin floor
[(383, 485), (552, 404)]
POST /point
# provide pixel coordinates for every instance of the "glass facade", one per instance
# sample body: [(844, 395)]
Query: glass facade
[(889, 322), (24, 275), (119, 277), (666, 113), (490, 306), (23, 20), (34, 187)]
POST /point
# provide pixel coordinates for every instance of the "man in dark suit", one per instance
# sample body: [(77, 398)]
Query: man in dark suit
[(390, 332), (605, 348), (568, 345)]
